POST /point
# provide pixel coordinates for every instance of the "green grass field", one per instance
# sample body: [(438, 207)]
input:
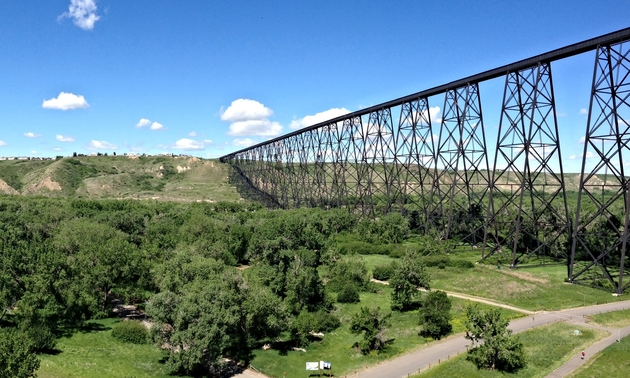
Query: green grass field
[(539, 288), (614, 319), (546, 349), (337, 345), (93, 352), (612, 362), (535, 289)]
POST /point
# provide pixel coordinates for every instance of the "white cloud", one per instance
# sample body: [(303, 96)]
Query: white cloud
[(66, 138), (190, 144), (208, 141), (583, 111), (582, 140), (245, 110), (3, 143), (250, 117), (318, 118), (32, 135), (34, 152), (83, 13), (244, 142), (100, 145), (143, 122), (262, 127), (589, 154), (57, 149), (572, 157), (66, 101), (192, 134)]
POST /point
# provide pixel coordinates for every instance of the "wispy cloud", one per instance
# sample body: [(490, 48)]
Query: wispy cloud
[(243, 142), (310, 120), (100, 145), (82, 13), (66, 101), (32, 135), (3, 143), (583, 111), (66, 138), (190, 144)]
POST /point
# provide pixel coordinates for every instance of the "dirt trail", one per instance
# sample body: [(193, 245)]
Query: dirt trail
[(474, 299)]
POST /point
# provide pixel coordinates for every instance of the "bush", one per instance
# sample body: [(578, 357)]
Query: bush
[(363, 248), (348, 270), (382, 272), (306, 322), (42, 337), (130, 332), (441, 262), (324, 321), (349, 294)]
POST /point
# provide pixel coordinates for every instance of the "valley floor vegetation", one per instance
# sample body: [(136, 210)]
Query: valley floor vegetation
[(225, 282)]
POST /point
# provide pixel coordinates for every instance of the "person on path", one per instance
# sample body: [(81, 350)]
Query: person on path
[(583, 354)]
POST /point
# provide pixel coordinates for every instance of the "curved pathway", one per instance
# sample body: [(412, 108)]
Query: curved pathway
[(577, 361), (452, 346), (473, 298)]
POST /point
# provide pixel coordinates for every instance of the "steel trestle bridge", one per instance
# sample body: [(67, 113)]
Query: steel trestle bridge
[(389, 158)]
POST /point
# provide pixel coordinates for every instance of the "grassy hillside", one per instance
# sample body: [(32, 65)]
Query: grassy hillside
[(182, 179)]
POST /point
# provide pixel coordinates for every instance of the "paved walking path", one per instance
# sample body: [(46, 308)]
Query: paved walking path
[(590, 352), (444, 349), (450, 347)]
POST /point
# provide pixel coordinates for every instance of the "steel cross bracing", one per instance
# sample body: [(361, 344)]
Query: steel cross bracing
[(383, 159), (600, 236), (461, 172), (528, 213)]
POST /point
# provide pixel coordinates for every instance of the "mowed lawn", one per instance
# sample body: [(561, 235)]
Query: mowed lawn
[(337, 346), (546, 349), (93, 352)]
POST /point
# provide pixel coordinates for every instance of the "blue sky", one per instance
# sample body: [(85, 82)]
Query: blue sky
[(208, 77)]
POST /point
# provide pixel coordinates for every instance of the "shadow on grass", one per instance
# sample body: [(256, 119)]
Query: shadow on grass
[(83, 327)]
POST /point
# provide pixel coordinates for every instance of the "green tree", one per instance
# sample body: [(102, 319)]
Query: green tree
[(372, 323), (17, 359), (407, 278), (435, 315), (204, 319), (493, 345), (99, 260)]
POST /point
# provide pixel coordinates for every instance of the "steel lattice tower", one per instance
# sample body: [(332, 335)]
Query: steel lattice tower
[(600, 237), (461, 171), (529, 149)]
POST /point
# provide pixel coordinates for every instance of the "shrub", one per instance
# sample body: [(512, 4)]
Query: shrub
[(306, 322), (350, 269), (42, 337), (324, 321), (382, 272), (349, 294), (130, 332)]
